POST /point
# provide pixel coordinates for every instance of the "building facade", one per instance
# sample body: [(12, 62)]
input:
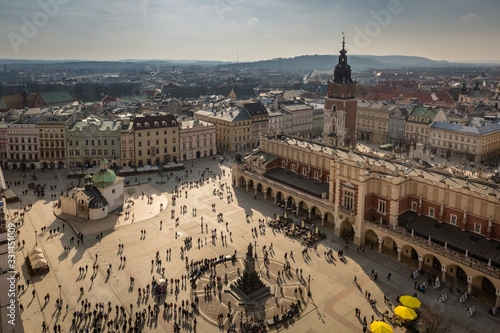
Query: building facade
[(297, 117), (197, 139), (260, 121), (373, 121), (92, 139), (23, 146), (396, 133), (156, 139), (51, 135), (474, 144), (233, 126), (127, 143), (418, 123)]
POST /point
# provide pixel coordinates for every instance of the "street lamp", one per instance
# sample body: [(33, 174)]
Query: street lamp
[(192, 155), (60, 298)]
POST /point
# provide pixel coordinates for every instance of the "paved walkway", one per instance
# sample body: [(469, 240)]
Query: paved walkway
[(334, 296)]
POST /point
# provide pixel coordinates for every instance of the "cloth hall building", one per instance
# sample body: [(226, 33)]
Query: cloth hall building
[(426, 218)]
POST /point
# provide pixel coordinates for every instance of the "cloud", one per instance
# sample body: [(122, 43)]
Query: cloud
[(253, 21), (469, 17)]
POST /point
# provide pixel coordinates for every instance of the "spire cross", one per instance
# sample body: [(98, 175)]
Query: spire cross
[(343, 39)]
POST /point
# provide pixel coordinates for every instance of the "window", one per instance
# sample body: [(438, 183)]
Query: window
[(293, 167), (316, 174), (304, 171), (283, 164), (348, 200), (453, 219), (414, 206), (431, 211), (477, 228), (381, 206)]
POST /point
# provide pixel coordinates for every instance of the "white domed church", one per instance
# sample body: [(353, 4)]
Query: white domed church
[(102, 194)]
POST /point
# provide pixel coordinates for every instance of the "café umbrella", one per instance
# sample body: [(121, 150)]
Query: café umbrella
[(405, 312), (380, 327), (410, 301)]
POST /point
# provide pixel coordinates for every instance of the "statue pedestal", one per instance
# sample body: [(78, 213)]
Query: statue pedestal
[(249, 265), (249, 289)]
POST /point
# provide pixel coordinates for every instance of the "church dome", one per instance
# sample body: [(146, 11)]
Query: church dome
[(103, 176)]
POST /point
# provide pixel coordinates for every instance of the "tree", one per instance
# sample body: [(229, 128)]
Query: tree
[(79, 171), (436, 323), (162, 174), (130, 191)]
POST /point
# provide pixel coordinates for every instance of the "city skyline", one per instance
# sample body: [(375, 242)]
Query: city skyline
[(231, 30)]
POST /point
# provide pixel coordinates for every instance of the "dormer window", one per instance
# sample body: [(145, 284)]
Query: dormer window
[(156, 124), (146, 124), (138, 125), (164, 123)]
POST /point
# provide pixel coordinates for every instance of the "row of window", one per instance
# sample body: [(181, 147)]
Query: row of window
[(304, 171), (451, 137), (21, 140), (454, 145), (157, 133), (22, 148), (453, 217), (156, 124), (23, 132), (96, 142), (23, 156), (157, 150)]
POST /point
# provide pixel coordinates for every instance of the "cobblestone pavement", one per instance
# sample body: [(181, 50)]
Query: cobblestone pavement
[(333, 294)]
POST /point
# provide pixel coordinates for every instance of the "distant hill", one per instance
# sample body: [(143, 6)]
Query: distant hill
[(358, 62)]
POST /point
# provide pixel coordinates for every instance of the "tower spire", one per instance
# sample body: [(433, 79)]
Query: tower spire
[(342, 71)]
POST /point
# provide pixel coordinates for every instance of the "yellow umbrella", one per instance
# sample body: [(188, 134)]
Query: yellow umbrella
[(380, 327), (405, 312), (410, 301)]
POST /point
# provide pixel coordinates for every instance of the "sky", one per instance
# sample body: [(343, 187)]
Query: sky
[(247, 30)]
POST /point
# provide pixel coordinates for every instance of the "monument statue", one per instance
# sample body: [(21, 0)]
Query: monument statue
[(250, 250)]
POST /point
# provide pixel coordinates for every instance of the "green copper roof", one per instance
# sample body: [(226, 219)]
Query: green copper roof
[(103, 176), (57, 97)]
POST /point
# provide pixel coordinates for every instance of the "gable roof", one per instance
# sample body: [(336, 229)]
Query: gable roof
[(57, 97), (16, 101), (422, 114)]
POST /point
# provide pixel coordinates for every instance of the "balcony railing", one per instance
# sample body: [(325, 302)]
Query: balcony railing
[(401, 233)]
